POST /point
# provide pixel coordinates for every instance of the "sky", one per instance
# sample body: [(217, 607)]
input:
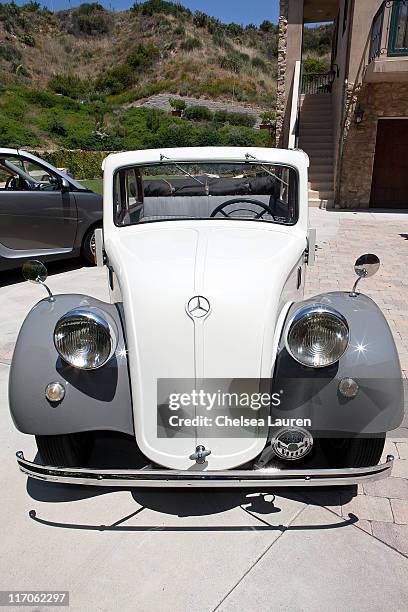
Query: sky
[(239, 11)]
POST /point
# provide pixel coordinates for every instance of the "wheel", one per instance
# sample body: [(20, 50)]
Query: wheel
[(67, 450), (353, 452), (89, 247)]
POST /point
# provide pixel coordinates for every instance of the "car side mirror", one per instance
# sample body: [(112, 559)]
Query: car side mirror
[(65, 185), (366, 265), (35, 272)]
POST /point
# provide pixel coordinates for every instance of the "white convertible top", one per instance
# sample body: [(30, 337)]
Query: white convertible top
[(296, 158)]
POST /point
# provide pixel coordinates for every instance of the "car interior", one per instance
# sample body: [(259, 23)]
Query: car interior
[(141, 196), (17, 174)]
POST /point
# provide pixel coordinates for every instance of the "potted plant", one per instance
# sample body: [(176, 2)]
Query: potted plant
[(268, 120), (178, 105)]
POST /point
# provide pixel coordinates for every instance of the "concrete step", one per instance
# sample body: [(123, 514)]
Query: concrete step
[(314, 107), (320, 176), (317, 203), (316, 146), (316, 122), (321, 194), (309, 141), (320, 185), (315, 129), (324, 164), (313, 112)]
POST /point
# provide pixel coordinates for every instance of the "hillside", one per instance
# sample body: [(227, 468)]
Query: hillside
[(75, 78)]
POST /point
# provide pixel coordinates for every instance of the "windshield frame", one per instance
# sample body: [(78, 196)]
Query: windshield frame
[(246, 162)]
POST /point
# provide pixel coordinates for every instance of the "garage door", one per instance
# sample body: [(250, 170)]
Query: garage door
[(389, 187)]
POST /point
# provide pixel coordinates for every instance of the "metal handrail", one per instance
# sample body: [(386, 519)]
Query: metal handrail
[(320, 82), (376, 33), (379, 44)]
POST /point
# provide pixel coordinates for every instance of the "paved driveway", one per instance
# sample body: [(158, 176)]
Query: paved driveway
[(341, 549)]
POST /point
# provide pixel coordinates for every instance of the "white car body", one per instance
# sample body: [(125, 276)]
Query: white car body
[(247, 271)]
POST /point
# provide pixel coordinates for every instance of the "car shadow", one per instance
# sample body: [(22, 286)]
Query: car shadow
[(14, 276), (184, 503), (117, 451)]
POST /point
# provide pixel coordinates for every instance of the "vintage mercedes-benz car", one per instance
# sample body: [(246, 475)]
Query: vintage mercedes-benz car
[(208, 359)]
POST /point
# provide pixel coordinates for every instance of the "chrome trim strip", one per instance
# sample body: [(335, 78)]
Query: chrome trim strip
[(186, 478)]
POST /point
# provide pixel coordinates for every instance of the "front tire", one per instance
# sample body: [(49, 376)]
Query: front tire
[(353, 452), (67, 450), (88, 247)]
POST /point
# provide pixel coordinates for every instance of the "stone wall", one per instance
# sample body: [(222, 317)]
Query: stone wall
[(282, 48), (377, 100)]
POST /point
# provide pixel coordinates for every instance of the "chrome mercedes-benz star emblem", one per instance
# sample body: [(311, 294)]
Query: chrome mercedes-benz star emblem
[(198, 307)]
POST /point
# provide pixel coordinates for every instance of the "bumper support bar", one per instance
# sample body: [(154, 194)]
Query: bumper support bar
[(185, 478)]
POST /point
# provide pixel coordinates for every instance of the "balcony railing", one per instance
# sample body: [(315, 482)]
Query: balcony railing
[(389, 30), (320, 82)]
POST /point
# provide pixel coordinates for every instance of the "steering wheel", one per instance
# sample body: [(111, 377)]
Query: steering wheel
[(11, 183), (16, 183), (220, 208)]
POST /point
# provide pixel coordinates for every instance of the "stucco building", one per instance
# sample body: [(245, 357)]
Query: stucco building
[(352, 121)]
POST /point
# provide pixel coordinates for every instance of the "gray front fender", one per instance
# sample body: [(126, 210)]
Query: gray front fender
[(371, 359), (94, 400)]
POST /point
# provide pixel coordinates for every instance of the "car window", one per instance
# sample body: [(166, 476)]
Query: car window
[(20, 174), (206, 190)]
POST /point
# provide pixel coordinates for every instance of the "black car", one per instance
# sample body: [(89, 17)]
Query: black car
[(44, 213)]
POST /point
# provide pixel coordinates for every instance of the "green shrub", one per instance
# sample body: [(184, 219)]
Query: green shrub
[(200, 19), (198, 113), (116, 80), (152, 7), (13, 18), (56, 126), (220, 40), (91, 19), (68, 85), (21, 70), (14, 134), (83, 164), (232, 62), (234, 29), (313, 65), (179, 31), (190, 44), (173, 135), (244, 119), (28, 39), (318, 40), (258, 62), (89, 8), (269, 117), (267, 26), (10, 53), (32, 7), (142, 56), (177, 104), (245, 137)]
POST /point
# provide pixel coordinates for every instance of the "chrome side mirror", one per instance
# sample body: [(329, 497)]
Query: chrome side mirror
[(366, 265), (35, 272)]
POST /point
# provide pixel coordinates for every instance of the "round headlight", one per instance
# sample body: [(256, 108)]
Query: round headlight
[(85, 339), (317, 336)]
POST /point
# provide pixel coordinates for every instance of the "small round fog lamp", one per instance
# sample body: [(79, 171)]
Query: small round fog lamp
[(348, 387), (54, 392)]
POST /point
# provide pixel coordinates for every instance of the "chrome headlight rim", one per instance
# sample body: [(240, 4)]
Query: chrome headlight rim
[(306, 313), (96, 317)]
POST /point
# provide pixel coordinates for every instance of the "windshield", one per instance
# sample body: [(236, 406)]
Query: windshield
[(196, 190)]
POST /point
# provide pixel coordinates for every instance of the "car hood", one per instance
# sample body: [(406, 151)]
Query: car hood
[(247, 274)]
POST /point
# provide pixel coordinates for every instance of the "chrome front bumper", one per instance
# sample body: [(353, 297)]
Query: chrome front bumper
[(228, 478)]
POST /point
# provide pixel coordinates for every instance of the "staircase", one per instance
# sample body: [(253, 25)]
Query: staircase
[(316, 139)]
